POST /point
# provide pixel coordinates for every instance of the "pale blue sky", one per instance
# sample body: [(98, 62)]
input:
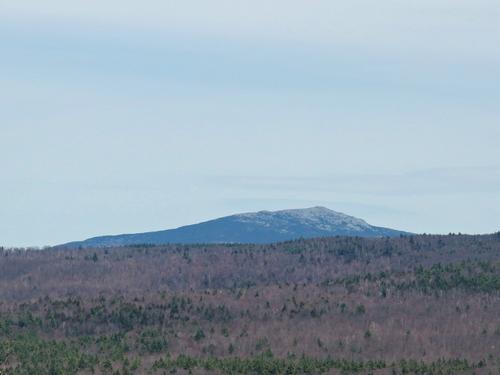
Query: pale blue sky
[(126, 116)]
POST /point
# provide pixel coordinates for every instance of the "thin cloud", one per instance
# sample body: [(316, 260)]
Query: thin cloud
[(428, 182)]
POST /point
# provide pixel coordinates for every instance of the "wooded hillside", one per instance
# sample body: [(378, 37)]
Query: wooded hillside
[(409, 305)]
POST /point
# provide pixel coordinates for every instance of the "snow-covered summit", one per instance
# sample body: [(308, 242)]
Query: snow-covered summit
[(318, 217)]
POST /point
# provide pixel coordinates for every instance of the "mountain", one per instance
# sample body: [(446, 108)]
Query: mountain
[(255, 227)]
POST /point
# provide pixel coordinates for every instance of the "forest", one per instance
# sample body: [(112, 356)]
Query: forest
[(422, 304)]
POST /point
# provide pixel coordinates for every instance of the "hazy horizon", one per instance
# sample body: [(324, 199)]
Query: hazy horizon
[(121, 117)]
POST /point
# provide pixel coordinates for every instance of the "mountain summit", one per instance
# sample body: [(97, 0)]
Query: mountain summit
[(254, 227)]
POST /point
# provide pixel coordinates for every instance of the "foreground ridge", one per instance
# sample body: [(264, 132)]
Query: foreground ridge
[(339, 305)]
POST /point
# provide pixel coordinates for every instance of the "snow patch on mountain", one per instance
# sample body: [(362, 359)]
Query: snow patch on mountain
[(318, 217)]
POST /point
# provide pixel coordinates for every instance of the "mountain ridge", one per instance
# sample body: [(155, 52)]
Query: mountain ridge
[(251, 227)]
